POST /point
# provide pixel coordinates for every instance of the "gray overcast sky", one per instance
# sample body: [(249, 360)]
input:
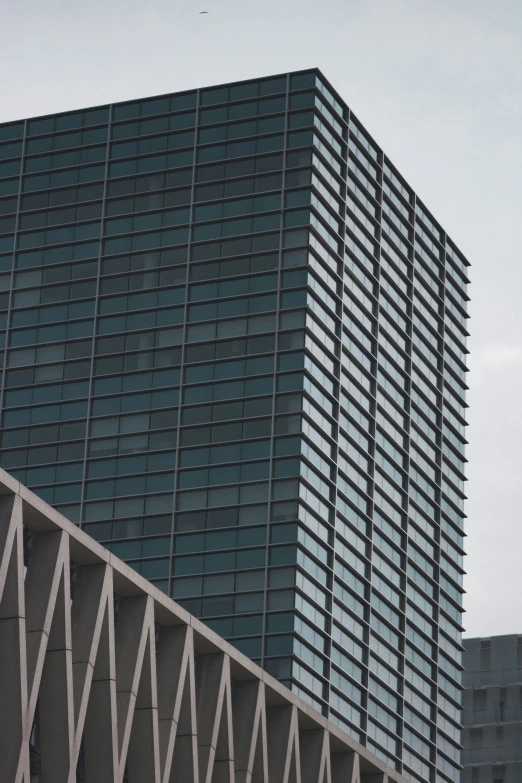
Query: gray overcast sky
[(437, 82)]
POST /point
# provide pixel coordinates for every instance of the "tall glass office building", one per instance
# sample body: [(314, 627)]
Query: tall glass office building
[(234, 353)]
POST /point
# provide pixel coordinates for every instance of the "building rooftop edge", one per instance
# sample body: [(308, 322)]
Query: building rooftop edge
[(467, 639), (314, 69)]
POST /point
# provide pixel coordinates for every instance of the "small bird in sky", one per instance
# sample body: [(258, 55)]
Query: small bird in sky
[(203, 12)]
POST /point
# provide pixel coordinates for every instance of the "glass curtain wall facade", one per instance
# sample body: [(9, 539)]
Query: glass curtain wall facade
[(235, 345)]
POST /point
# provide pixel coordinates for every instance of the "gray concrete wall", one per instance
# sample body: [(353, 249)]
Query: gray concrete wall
[(104, 679)]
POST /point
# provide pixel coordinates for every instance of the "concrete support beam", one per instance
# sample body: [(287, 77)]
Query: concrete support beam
[(214, 718), (250, 732), (284, 763), (13, 657)]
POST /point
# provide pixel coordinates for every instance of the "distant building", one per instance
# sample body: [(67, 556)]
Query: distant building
[(492, 716)]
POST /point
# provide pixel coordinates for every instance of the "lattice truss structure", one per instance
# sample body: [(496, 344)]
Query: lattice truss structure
[(104, 679)]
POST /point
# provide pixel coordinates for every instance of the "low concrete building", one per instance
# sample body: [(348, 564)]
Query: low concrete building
[(104, 679)]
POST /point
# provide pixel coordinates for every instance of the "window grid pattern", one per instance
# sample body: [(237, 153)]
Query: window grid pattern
[(234, 353), (492, 709)]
